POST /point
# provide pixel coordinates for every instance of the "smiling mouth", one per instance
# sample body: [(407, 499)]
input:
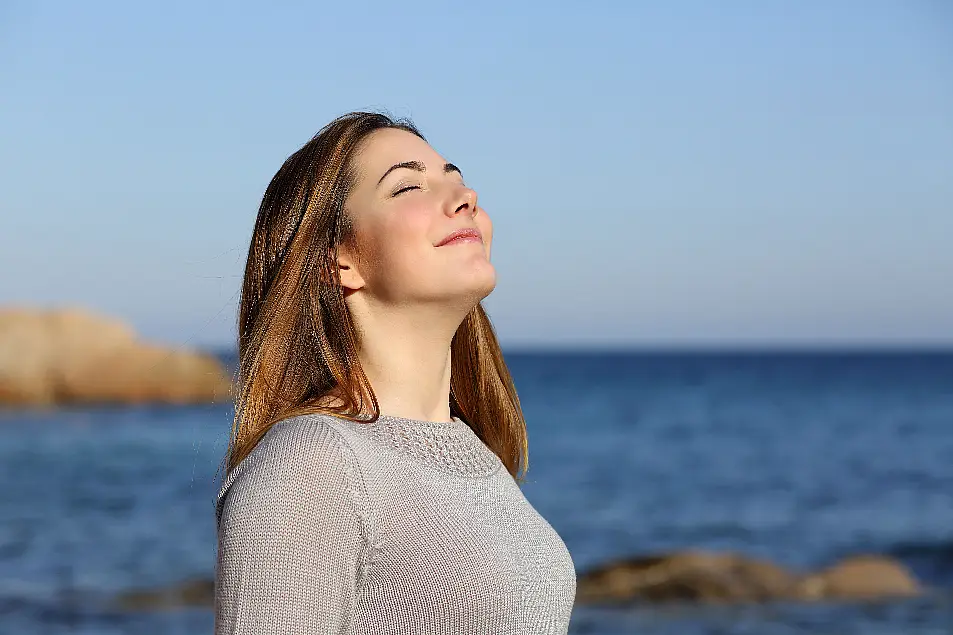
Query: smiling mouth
[(459, 240), (462, 235)]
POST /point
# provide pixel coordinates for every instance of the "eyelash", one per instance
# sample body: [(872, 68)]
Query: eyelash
[(405, 189)]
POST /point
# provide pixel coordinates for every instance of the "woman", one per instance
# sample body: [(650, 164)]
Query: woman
[(374, 465)]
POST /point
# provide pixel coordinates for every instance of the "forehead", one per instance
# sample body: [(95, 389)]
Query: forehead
[(383, 148)]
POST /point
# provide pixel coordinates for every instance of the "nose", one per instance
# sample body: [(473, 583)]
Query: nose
[(464, 199)]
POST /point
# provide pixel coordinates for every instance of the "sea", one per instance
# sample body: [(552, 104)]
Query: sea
[(798, 457)]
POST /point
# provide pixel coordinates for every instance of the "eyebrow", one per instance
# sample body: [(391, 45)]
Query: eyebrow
[(419, 167)]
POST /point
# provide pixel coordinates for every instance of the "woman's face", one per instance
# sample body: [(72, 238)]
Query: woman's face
[(406, 199)]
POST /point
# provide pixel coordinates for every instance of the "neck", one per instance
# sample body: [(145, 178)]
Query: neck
[(405, 354)]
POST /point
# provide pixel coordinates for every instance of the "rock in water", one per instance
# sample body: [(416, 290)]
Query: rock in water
[(695, 576), (862, 577), (74, 356), (191, 593), (689, 576)]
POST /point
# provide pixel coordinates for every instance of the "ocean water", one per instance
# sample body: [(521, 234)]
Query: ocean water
[(800, 458)]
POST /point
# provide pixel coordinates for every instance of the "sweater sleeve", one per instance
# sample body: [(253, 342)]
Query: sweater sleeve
[(292, 542)]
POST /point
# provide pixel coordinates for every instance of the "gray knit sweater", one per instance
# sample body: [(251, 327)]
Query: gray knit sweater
[(399, 526)]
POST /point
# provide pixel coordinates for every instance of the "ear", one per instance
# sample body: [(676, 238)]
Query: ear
[(351, 278)]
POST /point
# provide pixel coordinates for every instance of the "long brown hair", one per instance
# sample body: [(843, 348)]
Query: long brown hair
[(297, 344)]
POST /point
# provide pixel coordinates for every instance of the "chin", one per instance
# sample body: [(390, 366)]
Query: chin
[(477, 283), (488, 278), (488, 290)]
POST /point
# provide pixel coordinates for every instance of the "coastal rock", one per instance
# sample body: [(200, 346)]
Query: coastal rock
[(191, 593), (729, 578), (690, 576), (863, 577), (74, 356)]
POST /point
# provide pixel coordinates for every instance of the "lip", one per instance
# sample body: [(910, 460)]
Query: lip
[(467, 233)]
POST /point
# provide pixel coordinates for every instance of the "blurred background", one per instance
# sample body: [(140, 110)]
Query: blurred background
[(723, 237)]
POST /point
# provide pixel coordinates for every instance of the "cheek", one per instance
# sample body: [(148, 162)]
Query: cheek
[(409, 225), (403, 239)]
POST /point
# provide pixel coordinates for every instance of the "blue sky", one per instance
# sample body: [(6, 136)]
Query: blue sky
[(659, 174)]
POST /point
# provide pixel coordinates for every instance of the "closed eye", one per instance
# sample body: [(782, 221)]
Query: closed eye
[(405, 189)]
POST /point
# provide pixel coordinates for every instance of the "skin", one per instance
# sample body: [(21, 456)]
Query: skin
[(407, 296)]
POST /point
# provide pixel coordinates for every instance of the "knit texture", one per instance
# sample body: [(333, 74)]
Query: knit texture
[(397, 526)]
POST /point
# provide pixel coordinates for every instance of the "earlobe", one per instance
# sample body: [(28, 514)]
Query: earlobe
[(346, 271), (350, 278), (332, 270)]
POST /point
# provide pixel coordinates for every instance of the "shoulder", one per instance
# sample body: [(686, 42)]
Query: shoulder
[(296, 456), (306, 443)]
